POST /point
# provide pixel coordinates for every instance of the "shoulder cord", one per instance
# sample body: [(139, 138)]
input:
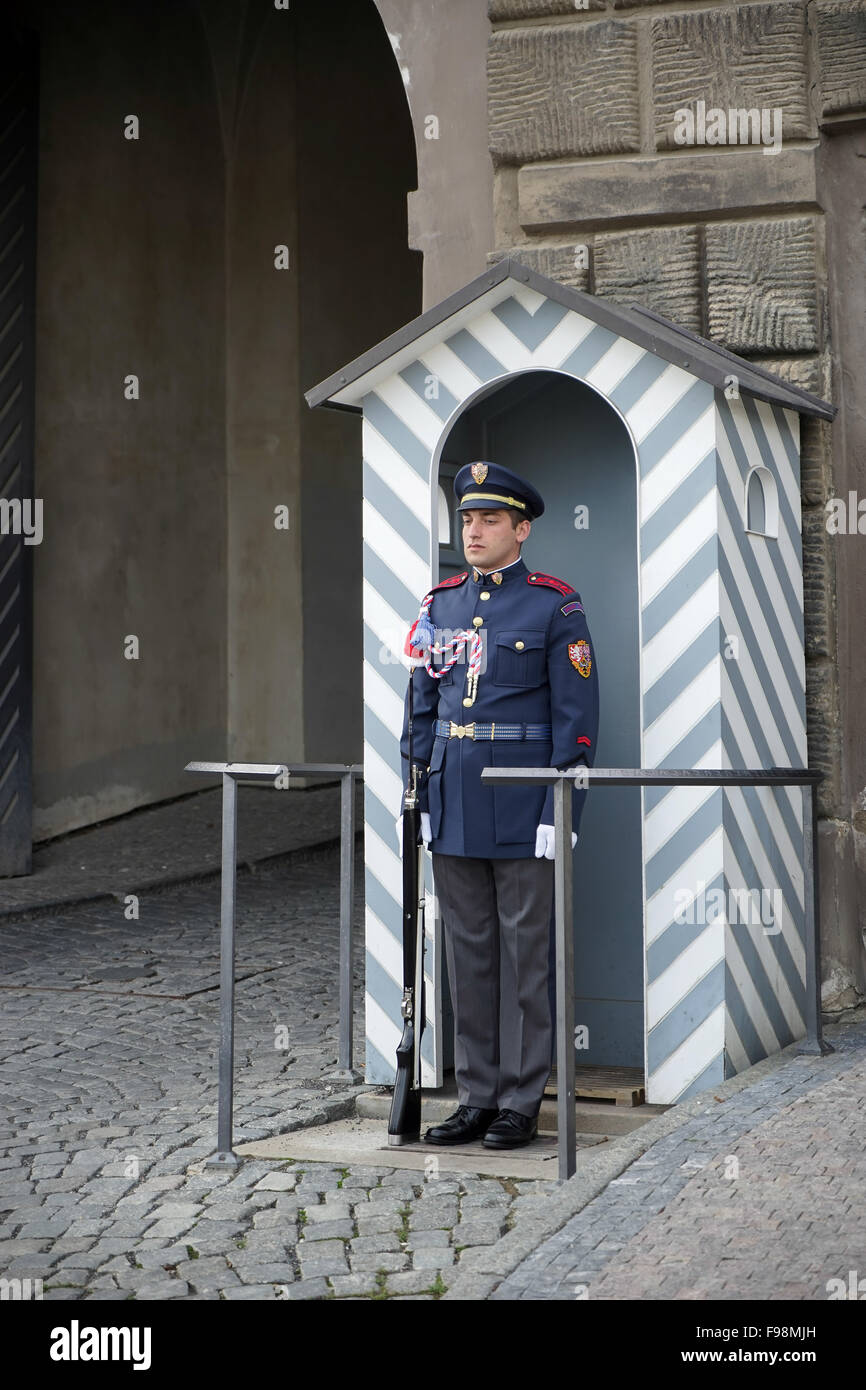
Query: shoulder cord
[(423, 638)]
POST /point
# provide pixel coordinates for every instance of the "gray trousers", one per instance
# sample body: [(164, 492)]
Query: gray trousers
[(496, 919)]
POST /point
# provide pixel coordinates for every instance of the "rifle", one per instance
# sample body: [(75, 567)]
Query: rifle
[(404, 1123)]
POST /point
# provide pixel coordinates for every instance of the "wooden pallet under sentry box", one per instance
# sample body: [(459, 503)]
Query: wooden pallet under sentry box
[(625, 1085)]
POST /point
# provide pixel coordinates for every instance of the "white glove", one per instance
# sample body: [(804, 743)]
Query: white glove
[(545, 842), (426, 832)]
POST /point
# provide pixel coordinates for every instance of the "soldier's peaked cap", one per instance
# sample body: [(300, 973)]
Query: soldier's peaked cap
[(489, 486)]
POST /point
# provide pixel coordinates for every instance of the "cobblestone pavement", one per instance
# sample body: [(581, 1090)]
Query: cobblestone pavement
[(108, 1036), (760, 1197), (108, 1081)]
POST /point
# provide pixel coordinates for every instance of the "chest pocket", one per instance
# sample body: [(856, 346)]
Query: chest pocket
[(519, 658)]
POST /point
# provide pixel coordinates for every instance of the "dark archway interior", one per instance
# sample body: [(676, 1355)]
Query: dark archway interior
[(157, 258), (572, 445)]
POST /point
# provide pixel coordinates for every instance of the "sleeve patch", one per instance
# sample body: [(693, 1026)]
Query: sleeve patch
[(575, 607), (580, 657)]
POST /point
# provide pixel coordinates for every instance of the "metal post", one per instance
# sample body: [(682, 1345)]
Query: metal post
[(347, 772), (225, 1157), (813, 1044), (347, 884), (565, 1117), (345, 1070)]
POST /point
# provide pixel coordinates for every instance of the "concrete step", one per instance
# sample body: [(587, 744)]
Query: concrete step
[(596, 1117), (365, 1142)]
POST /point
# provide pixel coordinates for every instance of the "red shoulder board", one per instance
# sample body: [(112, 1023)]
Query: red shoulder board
[(450, 583), (549, 582)]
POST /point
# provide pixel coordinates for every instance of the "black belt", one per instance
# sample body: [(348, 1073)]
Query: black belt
[(446, 728)]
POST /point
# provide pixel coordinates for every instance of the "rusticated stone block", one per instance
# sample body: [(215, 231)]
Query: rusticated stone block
[(817, 583), (592, 191), (751, 56), (816, 461), (568, 89), (761, 288), (841, 30), (658, 269), (808, 373), (556, 262), (535, 9), (822, 729)]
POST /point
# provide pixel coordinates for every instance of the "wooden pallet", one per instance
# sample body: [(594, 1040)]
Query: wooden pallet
[(624, 1085)]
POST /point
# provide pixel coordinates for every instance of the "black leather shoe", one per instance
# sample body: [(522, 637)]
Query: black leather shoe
[(510, 1130), (467, 1123)]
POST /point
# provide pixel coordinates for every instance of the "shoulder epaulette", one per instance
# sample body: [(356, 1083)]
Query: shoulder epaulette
[(549, 582), (450, 583)]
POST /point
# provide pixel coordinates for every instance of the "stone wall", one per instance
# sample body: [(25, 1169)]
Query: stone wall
[(594, 188)]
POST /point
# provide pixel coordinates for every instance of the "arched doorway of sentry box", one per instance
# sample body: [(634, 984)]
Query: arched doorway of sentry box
[(565, 437)]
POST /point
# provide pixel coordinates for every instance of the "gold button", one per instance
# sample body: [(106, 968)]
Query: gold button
[(467, 702), (477, 622), (519, 646), (484, 595)]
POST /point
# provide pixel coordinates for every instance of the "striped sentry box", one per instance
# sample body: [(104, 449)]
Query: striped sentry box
[(721, 661)]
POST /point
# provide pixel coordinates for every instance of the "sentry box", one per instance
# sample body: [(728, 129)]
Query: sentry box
[(670, 470)]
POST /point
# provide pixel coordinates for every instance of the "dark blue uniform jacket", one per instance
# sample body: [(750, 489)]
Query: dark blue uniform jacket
[(536, 646)]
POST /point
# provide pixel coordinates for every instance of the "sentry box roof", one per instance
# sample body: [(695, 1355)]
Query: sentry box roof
[(346, 388)]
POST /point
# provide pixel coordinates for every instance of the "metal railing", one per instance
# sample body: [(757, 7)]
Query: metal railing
[(583, 777), (269, 772)]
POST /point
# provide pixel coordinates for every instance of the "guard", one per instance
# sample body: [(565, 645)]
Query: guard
[(509, 678)]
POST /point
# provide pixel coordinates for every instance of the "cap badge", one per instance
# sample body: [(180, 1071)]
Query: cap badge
[(479, 472)]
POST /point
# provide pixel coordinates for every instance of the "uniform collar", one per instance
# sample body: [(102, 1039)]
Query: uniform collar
[(507, 574)]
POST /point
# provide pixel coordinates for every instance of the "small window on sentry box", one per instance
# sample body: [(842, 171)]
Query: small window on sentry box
[(451, 558), (444, 518), (762, 503)]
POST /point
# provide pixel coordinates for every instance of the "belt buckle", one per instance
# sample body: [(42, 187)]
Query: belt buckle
[(461, 730)]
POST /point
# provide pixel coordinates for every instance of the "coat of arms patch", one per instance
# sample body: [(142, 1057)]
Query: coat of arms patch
[(580, 657)]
